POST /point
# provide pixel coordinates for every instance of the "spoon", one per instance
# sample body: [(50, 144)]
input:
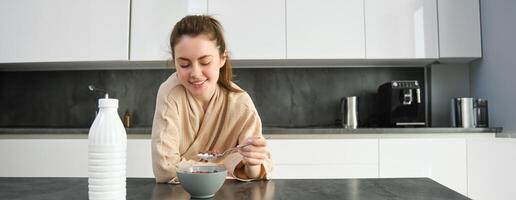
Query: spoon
[(93, 89), (214, 155)]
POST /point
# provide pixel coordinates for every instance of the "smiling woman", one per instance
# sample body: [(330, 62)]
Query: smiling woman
[(200, 109), (197, 65)]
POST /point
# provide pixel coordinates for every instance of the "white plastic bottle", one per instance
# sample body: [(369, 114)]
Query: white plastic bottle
[(107, 147)]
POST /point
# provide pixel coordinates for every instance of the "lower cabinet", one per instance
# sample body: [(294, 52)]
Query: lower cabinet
[(64, 158), (43, 158), (293, 158), (481, 169), (492, 168), (324, 158), (443, 160)]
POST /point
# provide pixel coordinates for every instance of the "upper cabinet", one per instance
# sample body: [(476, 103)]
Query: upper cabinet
[(459, 29), (401, 29), (62, 30), (152, 22), (332, 29), (253, 29), (139, 30)]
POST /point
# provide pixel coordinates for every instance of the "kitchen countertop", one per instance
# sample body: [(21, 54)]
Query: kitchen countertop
[(299, 189), (274, 133), (270, 131)]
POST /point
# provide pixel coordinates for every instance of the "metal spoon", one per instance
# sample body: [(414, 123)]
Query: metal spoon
[(213, 155), (95, 89)]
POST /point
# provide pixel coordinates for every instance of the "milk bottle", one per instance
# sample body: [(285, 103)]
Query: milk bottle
[(107, 147)]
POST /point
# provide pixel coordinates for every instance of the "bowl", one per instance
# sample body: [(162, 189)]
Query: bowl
[(202, 181)]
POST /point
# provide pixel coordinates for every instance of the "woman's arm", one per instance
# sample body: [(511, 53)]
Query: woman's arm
[(252, 162), (254, 155)]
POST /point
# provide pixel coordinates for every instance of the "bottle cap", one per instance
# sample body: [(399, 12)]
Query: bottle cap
[(108, 103)]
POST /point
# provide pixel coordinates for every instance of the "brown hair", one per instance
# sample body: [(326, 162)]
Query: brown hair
[(194, 25)]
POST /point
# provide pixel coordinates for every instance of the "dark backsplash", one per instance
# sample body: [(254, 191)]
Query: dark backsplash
[(284, 97)]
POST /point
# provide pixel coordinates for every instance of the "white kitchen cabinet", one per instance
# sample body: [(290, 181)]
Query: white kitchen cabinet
[(401, 29), (61, 30), (64, 158), (459, 29), (324, 158), (443, 160), (253, 29), (152, 22), (491, 164), (293, 158), (480, 168), (44, 158), (404, 158), (448, 163), (331, 29)]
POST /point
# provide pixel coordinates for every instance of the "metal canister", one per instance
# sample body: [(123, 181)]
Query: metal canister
[(462, 112), (349, 112)]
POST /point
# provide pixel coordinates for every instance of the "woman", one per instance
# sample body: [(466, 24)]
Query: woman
[(199, 108)]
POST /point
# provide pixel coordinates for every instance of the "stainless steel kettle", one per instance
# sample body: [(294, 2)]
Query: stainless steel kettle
[(349, 112)]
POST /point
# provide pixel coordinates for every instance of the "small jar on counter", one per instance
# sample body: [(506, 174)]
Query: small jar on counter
[(127, 120)]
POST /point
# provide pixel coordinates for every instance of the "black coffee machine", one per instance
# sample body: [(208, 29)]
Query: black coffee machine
[(401, 104)]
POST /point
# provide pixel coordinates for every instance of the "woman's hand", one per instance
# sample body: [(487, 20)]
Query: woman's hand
[(254, 155)]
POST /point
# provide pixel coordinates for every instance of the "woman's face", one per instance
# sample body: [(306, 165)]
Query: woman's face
[(198, 62)]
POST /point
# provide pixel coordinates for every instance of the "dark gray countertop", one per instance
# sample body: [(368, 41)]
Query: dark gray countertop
[(271, 131), (299, 189)]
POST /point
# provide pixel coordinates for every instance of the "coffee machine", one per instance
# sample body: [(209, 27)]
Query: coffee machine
[(400, 104)]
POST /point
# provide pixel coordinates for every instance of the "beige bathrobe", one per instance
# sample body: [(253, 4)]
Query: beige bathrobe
[(181, 129)]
